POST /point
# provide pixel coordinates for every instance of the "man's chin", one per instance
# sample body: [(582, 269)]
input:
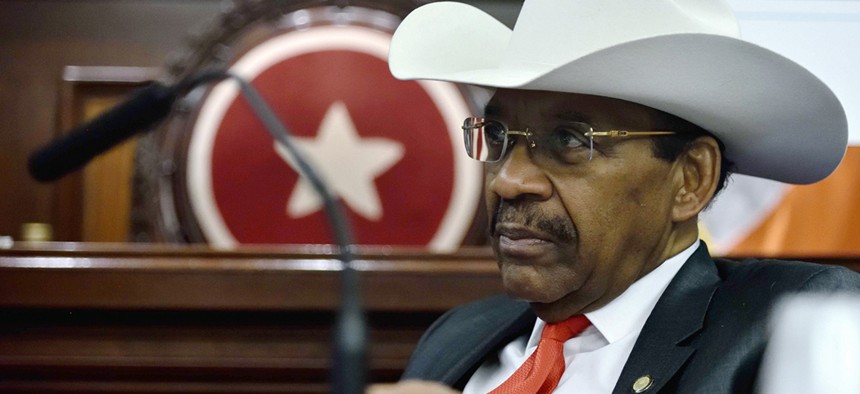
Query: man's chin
[(549, 306), (529, 291), (552, 312)]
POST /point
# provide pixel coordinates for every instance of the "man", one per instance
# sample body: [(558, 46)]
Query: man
[(613, 124)]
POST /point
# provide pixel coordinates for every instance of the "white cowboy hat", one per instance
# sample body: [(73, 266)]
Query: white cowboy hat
[(683, 57)]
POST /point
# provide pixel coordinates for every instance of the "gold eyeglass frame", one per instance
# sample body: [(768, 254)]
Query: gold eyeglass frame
[(590, 134)]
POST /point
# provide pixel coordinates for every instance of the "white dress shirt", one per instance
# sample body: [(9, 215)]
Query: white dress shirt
[(595, 358)]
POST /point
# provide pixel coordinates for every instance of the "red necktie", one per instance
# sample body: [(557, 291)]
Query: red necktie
[(543, 369)]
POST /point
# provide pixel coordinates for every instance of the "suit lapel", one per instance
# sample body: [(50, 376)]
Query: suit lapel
[(659, 351), (498, 327), (469, 333)]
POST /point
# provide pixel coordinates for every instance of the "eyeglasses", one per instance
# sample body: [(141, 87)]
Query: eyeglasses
[(489, 140)]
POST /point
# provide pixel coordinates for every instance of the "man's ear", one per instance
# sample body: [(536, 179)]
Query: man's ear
[(698, 172)]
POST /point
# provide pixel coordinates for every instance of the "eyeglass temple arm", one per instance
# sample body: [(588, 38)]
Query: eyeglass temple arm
[(617, 133), (625, 133)]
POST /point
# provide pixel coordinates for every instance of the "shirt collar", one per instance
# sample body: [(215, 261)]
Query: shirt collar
[(627, 313)]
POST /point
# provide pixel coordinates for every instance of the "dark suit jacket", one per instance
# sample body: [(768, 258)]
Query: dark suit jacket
[(705, 335)]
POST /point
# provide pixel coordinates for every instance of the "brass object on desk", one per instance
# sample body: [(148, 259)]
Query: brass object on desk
[(37, 232)]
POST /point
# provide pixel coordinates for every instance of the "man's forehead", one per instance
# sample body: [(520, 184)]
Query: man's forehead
[(566, 106), (572, 114)]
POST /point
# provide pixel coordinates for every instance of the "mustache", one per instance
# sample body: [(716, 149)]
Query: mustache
[(527, 214)]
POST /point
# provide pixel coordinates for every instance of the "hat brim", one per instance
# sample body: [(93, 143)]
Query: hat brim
[(776, 119)]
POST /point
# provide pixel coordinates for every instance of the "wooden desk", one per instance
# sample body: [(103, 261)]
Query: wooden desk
[(77, 318), (84, 318)]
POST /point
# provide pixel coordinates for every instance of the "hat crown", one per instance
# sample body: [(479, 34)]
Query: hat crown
[(684, 57), (553, 32)]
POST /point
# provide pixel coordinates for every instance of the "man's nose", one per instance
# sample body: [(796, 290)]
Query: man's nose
[(517, 176)]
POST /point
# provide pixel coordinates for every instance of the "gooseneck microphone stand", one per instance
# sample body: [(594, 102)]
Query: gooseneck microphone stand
[(348, 369), (150, 105)]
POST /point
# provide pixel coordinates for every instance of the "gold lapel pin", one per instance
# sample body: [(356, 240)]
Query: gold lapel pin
[(642, 384)]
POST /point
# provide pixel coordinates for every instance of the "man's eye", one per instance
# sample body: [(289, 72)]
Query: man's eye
[(568, 138), (494, 132)]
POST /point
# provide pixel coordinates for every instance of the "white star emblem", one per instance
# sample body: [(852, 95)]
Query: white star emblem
[(348, 163)]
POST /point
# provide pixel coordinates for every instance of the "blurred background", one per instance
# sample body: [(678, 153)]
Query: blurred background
[(68, 61)]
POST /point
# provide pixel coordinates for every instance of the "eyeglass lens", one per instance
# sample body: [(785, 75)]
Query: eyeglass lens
[(486, 140)]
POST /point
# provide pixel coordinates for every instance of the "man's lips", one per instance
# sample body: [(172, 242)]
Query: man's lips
[(522, 242)]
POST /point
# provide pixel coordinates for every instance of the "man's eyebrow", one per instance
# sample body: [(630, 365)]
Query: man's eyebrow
[(573, 116), (492, 110)]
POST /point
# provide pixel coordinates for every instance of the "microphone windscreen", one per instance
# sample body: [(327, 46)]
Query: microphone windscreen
[(143, 109)]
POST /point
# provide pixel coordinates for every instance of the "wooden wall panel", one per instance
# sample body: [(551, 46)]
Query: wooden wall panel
[(38, 39), (93, 204)]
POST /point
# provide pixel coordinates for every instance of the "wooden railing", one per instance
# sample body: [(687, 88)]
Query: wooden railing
[(131, 318), (85, 318)]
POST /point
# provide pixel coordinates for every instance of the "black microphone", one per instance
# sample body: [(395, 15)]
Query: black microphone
[(143, 109)]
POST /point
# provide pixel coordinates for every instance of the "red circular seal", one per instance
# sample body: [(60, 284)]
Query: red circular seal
[(390, 150)]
